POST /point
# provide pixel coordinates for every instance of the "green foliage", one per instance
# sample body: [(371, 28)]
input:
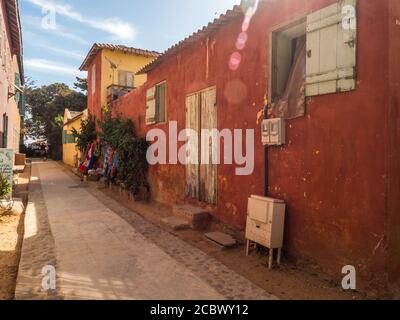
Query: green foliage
[(86, 135), (81, 84), (5, 187), (119, 134), (45, 107)]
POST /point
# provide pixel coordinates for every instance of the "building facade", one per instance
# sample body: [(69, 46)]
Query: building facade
[(12, 107), (338, 170), (72, 120), (111, 73)]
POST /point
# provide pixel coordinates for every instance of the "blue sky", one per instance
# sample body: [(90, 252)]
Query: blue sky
[(55, 48)]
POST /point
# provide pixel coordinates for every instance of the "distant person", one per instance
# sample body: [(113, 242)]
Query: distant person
[(43, 149)]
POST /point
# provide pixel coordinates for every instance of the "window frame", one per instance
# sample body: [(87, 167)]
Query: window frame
[(126, 73), (272, 48)]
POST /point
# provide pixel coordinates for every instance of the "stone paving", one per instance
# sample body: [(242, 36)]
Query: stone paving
[(105, 254)]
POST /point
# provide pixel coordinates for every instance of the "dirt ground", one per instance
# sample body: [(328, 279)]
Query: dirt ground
[(288, 282), (11, 235)]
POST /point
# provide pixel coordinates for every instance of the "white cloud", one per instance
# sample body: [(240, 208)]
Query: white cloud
[(67, 53), (51, 67), (120, 30)]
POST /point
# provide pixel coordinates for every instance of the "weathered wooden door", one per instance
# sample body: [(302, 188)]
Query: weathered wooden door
[(201, 176), (208, 167), (192, 168)]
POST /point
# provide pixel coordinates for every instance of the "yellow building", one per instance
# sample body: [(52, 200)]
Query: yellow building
[(111, 73), (72, 120)]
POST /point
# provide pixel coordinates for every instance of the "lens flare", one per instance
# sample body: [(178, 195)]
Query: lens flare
[(250, 8), (234, 61), (241, 41)]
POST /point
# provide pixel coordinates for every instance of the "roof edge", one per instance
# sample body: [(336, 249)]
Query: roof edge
[(223, 19), (97, 47)]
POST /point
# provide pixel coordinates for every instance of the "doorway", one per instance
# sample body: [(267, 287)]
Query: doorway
[(201, 176)]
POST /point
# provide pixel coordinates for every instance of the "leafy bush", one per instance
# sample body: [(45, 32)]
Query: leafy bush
[(119, 134), (86, 135), (5, 187)]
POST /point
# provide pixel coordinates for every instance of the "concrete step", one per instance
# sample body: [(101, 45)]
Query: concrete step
[(175, 223), (197, 218), (222, 240)]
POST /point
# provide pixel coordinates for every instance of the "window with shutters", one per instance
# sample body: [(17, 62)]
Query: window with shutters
[(156, 104), (126, 79), (331, 49), (330, 41)]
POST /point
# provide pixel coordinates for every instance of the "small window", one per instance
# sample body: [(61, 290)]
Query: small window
[(288, 70), (156, 108), (93, 75), (126, 79)]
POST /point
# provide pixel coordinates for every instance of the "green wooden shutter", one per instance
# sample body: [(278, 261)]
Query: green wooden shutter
[(17, 82), (161, 92), (22, 105)]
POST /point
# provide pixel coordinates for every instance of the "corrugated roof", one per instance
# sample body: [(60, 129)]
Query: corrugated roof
[(230, 15), (100, 46)]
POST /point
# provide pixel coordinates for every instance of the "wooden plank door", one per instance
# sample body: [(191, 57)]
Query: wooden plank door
[(208, 170), (192, 168)]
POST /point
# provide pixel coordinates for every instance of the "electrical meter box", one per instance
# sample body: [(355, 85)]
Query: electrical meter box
[(273, 132)]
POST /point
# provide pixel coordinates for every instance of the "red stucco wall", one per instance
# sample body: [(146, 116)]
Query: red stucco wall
[(94, 100), (393, 119), (332, 172)]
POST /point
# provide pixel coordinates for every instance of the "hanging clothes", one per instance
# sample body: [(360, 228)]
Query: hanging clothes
[(89, 161)]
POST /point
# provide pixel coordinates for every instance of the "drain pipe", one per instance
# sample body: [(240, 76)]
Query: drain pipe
[(266, 156)]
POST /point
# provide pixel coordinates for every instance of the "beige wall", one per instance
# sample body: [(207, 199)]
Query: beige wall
[(71, 153), (125, 62)]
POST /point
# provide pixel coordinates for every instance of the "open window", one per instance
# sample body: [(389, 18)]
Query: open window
[(288, 70), (313, 56)]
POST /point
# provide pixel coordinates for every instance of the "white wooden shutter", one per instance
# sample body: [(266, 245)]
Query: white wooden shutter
[(151, 106), (331, 49), (130, 79), (122, 78)]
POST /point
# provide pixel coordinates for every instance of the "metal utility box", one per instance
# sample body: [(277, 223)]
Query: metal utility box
[(265, 224), (273, 132)]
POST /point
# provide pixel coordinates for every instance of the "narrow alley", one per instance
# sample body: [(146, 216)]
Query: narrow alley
[(100, 256)]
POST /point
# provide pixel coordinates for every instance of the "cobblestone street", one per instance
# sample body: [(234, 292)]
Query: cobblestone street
[(98, 255)]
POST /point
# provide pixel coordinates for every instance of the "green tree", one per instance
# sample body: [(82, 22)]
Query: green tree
[(45, 108), (81, 84)]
